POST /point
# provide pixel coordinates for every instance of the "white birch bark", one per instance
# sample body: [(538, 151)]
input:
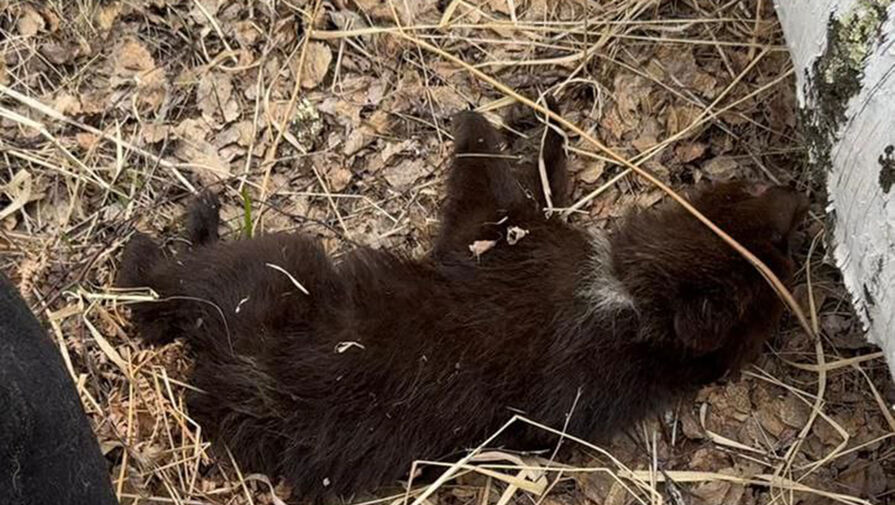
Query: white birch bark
[(844, 56)]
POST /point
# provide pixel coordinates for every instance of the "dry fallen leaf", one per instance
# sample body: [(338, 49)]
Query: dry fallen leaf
[(51, 17), (721, 492), (876, 483), (592, 172), (768, 415), (214, 97), (316, 64), (357, 140), (630, 91), (203, 9), (191, 129), (367, 5), (447, 98), (393, 148), (794, 412), (30, 22), (338, 177), (403, 175), (205, 161), (107, 14), (855, 477), (648, 135), (348, 20), (93, 102), (595, 486), (721, 168), (154, 132), (679, 65), (58, 54), (86, 141), (680, 117), (617, 495), (379, 121), (203, 157), (501, 6), (132, 57), (342, 111), (685, 152), (408, 11), (152, 87), (713, 492), (537, 10), (708, 458), (134, 64), (67, 104), (690, 425), (246, 33), (239, 133), (376, 92)]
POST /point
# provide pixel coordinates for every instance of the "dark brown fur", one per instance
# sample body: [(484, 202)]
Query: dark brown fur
[(453, 345)]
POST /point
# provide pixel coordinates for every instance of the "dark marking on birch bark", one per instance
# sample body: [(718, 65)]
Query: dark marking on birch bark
[(887, 168), (868, 296)]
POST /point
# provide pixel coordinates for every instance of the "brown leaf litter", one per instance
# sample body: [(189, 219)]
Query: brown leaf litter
[(149, 100)]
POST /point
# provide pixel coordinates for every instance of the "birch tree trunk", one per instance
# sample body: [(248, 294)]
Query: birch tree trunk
[(844, 57)]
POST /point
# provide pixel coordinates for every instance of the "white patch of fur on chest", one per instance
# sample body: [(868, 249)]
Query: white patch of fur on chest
[(602, 290)]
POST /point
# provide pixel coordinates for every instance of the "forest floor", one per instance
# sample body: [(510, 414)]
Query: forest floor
[(332, 118)]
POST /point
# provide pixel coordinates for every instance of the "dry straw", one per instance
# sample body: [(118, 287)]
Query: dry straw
[(135, 394)]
